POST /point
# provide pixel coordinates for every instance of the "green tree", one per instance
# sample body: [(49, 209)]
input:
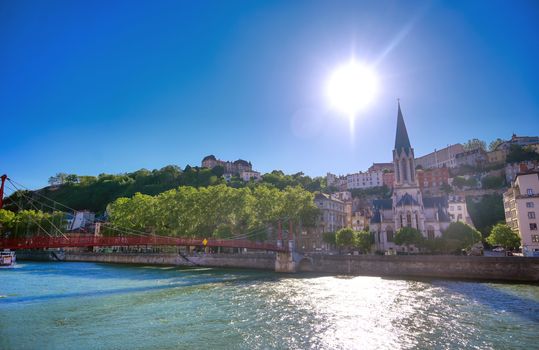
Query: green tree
[(446, 188), (520, 154), (492, 182), (492, 145), (460, 236), (409, 236), (503, 235), (329, 238), (474, 144), (486, 212), (363, 241), (345, 237), (459, 182)]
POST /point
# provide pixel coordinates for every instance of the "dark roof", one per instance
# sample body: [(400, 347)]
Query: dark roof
[(434, 202), (407, 199), (442, 216), (376, 217), (211, 156), (402, 142), (241, 161), (382, 204)]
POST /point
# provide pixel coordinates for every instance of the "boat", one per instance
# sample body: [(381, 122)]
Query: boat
[(7, 258)]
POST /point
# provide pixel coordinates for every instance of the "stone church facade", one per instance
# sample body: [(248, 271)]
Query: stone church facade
[(407, 207)]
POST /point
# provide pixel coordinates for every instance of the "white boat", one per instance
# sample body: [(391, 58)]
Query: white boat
[(7, 258)]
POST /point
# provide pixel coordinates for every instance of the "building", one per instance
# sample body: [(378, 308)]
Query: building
[(360, 220), (332, 212), (458, 211), (381, 167), (250, 175), (445, 157), (81, 220), (474, 157), (512, 169), (430, 180), (522, 141), (364, 179), (521, 205), (407, 207), (497, 156), (338, 182), (235, 167)]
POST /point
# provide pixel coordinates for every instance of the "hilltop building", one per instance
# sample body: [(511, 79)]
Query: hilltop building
[(407, 207), (445, 157), (521, 203), (236, 167)]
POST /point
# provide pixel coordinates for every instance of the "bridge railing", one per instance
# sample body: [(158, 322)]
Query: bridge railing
[(40, 242)]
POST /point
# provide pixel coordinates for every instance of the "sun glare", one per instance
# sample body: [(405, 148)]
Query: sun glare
[(352, 87)]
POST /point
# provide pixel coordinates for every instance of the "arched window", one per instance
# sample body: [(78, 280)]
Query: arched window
[(390, 234), (409, 220), (430, 232), (398, 170)]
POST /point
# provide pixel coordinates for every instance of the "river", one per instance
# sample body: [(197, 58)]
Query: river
[(105, 306)]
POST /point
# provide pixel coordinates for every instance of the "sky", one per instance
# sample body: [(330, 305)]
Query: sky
[(90, 87)]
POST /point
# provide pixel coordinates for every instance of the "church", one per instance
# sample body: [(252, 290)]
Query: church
[(407, 207)]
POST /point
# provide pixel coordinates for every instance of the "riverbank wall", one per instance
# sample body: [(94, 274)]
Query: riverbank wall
[(251, 261), (512, 269), (429, 266)]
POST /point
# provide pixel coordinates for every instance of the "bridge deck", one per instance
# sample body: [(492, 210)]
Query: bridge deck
[(39, 242)]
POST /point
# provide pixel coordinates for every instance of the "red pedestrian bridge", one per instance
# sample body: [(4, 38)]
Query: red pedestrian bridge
[(78, 240)]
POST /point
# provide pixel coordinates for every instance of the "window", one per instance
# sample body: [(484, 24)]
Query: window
[(430, 233), (459, 217), (531, 215), (529, 191), (535, 238), (459, 207), (389, 234), (529, 204), (451, 208), (533, 226)]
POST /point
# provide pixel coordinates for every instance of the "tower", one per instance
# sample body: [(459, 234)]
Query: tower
[(407, 198), (403, 156)]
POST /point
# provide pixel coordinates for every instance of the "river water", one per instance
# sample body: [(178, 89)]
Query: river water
[(102, 306)]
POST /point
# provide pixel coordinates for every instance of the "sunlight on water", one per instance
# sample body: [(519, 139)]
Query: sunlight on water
[(97, 306)]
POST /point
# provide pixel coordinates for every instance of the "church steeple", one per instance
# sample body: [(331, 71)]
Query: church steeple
[(402, 142), (403, 155)]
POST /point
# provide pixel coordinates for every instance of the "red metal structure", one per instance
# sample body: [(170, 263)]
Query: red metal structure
[(40, 242), (3, 178)]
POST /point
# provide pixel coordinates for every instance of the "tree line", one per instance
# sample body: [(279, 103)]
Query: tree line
[(94, 193), (215, 211)]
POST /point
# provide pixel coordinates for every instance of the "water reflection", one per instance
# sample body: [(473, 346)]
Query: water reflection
[(68, 306)]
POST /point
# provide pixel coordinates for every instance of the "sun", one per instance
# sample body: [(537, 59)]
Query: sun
[(352, 87)]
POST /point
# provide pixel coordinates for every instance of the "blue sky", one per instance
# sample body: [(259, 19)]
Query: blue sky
[(88, 87)]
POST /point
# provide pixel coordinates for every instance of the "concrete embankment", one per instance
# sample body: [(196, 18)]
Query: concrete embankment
[(516, 269), (251, 261), (458, 267)]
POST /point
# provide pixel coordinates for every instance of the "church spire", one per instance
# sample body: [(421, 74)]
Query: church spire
[(402, 142)]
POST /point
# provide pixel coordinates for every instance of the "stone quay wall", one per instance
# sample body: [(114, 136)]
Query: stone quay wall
[(250, 261), (512, 269), (457, 267)]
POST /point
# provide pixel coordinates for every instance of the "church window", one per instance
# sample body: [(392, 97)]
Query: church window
[(430, 233), (389, 234), (409, 220)]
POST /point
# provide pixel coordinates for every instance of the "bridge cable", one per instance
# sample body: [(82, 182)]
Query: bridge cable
[(30, 201)]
